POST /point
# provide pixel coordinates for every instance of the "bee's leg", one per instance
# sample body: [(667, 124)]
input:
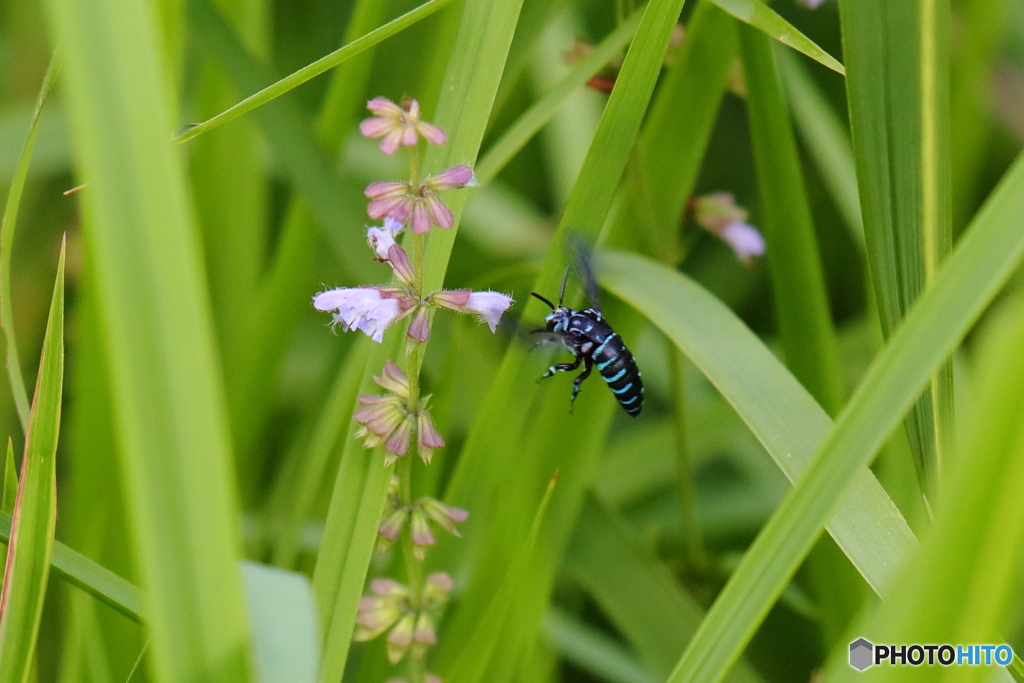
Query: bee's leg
[(561, 367), (588, 366)]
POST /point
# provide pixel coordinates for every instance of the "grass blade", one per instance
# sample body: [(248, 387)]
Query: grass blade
[(313, 70), (35, 510), (899, 115), (7, 230), (10, 491), (83, 573), (763, 18), (168, 406), (592, 650), (527, 125), (827, 139), (966, 283)]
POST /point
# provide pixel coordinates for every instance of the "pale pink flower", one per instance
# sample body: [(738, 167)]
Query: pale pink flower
[(429, 439), (445, 516), (421, 207), (489, 306), (398, 125), (367, 309)]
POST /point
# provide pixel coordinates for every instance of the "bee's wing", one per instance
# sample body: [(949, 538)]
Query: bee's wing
[(581, 257)]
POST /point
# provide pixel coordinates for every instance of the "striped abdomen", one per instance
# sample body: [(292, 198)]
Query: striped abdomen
[(615, 363)]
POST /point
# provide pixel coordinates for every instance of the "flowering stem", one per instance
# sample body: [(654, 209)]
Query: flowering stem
[(413, 566)]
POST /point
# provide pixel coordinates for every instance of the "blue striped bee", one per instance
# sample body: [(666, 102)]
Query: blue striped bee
[(593, 342)]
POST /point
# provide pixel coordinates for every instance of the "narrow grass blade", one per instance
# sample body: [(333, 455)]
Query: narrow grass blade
[(7, 230), (971, 555), (10, 491), (286, 642), (592, 650), (83, 573), (897, 91), (478, 650), (966, 283), (168, 406), (529, 123), (763, 18), (671, 146), (798, 283), (827, 140), (35, 510), (313, 70)]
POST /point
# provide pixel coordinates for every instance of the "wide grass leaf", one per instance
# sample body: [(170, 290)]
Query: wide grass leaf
[(35, 509), (168, 406)]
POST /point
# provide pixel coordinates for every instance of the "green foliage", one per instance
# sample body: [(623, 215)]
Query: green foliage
[(210, 515)]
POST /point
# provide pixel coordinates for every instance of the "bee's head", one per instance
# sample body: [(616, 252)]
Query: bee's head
[(557, 319)]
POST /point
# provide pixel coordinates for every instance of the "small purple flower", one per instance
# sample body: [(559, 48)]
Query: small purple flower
[(489, 306), (419, 328), (744, 239), (421, 207), (381, 238), (366, 309), (398, 125), (718, 214)]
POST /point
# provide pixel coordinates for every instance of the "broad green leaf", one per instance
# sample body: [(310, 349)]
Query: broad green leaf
[(285, 637), (764, 19), (167, 400), (897, 89), (7, 230), (966, 283), (35, 510), (313, 70), (971, 555)]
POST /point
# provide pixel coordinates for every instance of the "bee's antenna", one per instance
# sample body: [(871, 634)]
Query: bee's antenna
[(543, 299), (561, 292)]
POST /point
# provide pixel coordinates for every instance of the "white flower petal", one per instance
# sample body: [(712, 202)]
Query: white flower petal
[(489, 306)]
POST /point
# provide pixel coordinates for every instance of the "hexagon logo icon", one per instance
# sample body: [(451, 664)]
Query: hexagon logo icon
[(861, 652)]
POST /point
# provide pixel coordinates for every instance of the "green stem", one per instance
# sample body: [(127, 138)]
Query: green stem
[(413, 566), (696, 556)]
